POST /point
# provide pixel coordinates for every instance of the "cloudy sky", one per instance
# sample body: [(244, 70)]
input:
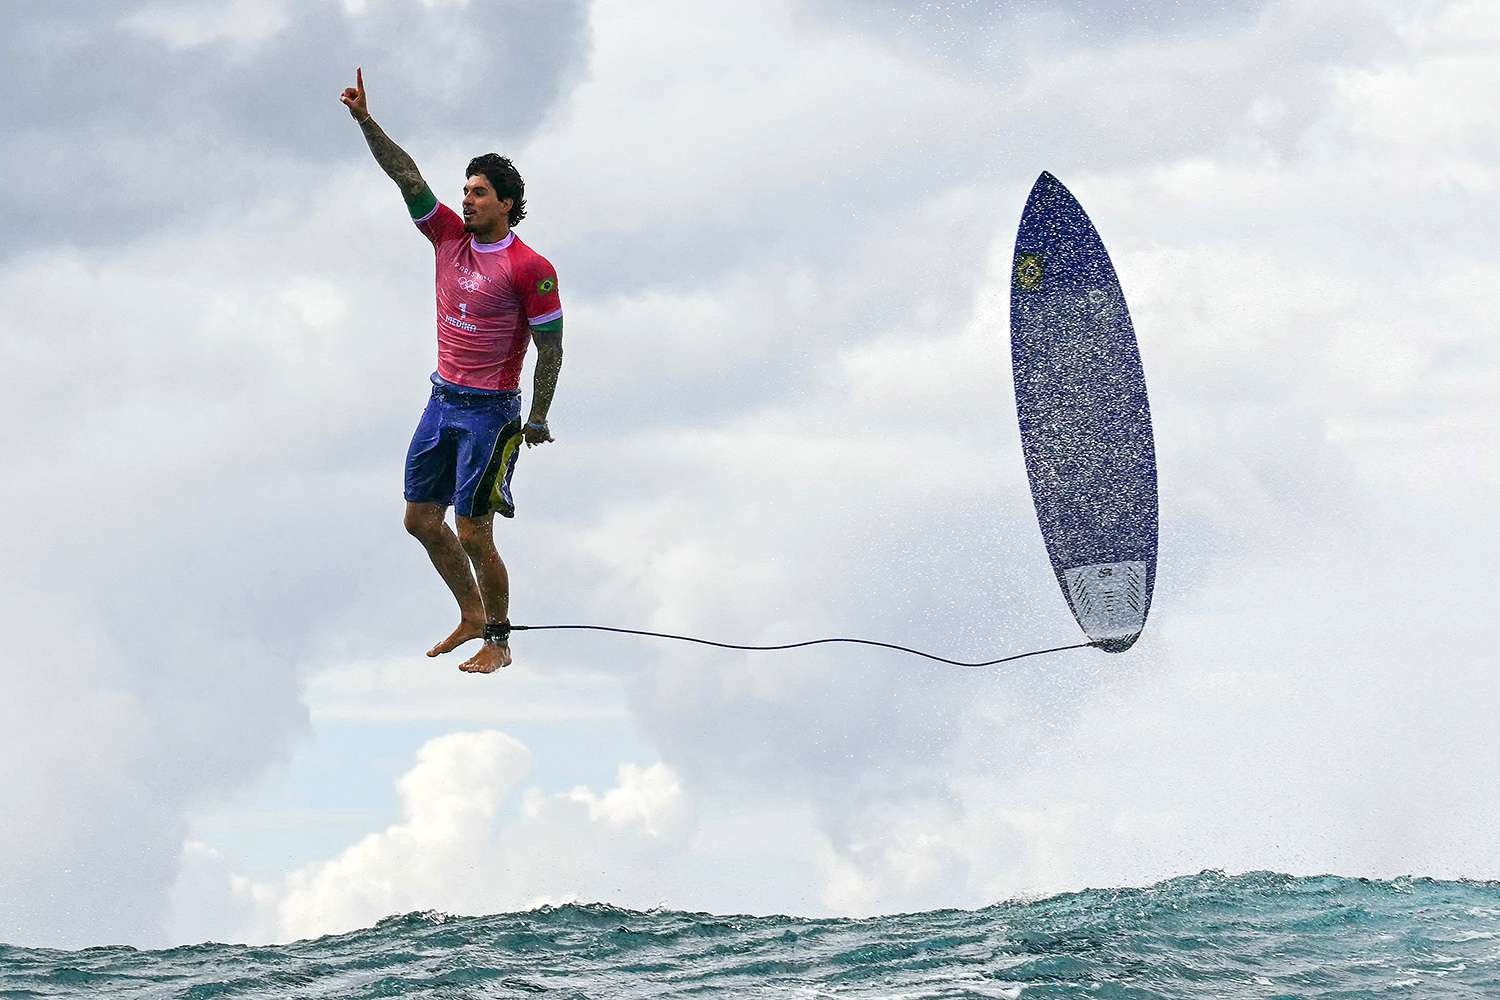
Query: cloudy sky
[(783, 233)]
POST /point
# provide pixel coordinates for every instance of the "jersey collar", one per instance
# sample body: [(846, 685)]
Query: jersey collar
[(510, 238)]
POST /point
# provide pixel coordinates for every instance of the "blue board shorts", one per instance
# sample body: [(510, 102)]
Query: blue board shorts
[(464, 451)]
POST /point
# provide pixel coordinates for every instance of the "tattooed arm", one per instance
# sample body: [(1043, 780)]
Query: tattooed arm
[(398, 166)]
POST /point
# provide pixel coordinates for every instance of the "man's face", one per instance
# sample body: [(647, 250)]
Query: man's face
[(483, 212)]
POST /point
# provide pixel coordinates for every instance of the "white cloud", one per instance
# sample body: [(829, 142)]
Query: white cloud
[(460, 848), (646, 798), (188, 25), (474, 838), (450, 802)]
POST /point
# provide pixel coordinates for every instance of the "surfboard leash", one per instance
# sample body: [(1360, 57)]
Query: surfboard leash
[(798, 645)]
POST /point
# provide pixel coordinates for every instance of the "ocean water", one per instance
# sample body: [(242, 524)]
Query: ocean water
[(1206, 935)]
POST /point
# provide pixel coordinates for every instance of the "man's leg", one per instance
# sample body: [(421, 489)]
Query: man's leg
[(477, 540), (426, 524)]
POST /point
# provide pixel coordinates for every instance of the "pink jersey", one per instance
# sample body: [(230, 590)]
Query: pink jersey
[(489, 296)]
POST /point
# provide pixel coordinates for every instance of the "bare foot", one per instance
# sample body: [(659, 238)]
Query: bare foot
[(466, 630), (491, 657)]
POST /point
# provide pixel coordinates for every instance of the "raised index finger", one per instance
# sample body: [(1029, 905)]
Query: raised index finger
[(359, 78)]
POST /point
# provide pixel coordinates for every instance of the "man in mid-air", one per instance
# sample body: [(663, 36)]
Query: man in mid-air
[(495, 295)]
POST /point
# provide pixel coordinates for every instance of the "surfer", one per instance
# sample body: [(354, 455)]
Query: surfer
[(495, 295)]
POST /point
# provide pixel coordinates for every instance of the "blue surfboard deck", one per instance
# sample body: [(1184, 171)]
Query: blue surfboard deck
[(1085, 421)]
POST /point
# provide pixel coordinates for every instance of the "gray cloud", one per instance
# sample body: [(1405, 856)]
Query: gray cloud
[(117, 127), (975, 34)]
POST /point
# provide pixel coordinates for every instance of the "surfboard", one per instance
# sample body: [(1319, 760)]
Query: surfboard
[(1084, 417)]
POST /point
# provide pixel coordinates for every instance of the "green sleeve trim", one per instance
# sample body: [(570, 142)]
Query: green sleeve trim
[(421, 203), (554, 326)]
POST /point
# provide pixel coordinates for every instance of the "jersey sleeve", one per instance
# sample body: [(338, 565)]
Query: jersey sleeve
[(538, 292), (438, 223)]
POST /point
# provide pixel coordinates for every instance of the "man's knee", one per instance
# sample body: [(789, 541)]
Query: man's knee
[(424, 521), (474, 534)]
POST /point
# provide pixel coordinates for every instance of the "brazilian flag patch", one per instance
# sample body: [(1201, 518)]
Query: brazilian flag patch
[(1029, 272), (546, 285)]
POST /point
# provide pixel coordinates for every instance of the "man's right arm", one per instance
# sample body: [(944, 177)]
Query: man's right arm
[(398, 166)]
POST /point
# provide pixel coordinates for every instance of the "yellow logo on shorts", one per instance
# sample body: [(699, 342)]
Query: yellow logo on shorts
[(1029, 272)]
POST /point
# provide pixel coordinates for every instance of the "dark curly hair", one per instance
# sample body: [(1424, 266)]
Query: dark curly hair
[(504, 178)]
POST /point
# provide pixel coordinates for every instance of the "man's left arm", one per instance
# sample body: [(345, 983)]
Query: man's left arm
[(549, 357)]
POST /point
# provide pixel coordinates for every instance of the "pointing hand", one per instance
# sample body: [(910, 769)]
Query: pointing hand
[(354, 97)]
